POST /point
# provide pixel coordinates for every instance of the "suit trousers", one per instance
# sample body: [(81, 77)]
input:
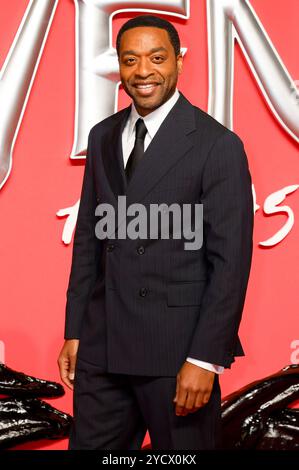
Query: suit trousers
[(114, 411)]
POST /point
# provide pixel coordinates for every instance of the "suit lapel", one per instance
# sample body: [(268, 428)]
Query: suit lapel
[(113, 156), (170, 143)]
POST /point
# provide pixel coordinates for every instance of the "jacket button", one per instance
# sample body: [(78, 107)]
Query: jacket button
[(143, 292), (110, 247), (140, 250)]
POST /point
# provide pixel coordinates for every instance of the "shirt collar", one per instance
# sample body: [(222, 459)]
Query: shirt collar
[(154, 119)]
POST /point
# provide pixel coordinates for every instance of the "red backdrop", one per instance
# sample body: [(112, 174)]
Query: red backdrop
[(34, 261)]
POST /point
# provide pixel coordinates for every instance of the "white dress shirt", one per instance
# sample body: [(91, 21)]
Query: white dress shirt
[(152, 122)]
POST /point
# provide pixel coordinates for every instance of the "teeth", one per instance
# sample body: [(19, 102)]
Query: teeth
[(145, 86)]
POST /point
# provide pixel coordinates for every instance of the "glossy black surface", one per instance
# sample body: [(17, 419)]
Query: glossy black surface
[(18, 384), (257, 416), (29, 419)]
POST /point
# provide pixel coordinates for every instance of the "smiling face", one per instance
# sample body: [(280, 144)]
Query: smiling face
[(148, 67)]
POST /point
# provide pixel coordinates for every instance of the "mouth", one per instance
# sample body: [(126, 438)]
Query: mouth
[(146, 89)]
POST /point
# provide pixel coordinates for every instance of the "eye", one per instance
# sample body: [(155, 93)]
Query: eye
[(129, 60), (158, 58)]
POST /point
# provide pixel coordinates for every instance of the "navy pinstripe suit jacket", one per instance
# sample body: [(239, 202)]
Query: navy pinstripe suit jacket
[(142, 306)]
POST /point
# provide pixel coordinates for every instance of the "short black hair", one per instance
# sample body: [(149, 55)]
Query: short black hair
[(152, 21)]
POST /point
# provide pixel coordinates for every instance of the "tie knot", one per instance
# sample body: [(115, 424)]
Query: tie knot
[(141, 129)]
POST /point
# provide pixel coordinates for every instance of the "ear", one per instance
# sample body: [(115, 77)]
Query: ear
[(180, 62)]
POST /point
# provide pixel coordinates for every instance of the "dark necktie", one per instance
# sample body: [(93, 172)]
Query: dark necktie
[(138, 149)]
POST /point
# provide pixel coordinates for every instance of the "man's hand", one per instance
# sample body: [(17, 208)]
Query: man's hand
[(193, 390), (67, 361)]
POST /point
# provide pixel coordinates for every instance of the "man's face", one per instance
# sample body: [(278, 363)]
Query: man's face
[(148, 67)]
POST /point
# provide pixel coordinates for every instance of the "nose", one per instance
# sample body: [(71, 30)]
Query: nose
[(144, 67)]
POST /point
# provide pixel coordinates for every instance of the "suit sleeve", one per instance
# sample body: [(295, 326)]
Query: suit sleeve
[(85, 252), (227, 241)]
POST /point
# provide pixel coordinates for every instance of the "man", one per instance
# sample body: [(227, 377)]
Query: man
[(150, 325)]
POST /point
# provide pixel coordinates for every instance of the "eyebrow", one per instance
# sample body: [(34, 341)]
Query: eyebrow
[(155, 49)]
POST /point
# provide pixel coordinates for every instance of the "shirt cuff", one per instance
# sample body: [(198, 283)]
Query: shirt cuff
[(206, 365)]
